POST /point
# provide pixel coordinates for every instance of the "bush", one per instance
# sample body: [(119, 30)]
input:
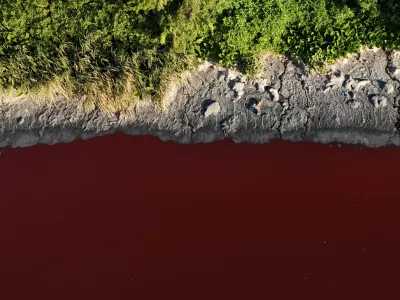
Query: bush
[(130, 47), (312, 30)]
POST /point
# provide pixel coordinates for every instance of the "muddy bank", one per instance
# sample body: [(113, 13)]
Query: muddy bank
[(354, 102)]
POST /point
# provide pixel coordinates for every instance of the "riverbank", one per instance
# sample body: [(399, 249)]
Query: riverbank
[(355, 101)]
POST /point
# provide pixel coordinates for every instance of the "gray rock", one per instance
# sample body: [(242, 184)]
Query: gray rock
[(212, 109), (379, 101), (354, 104)]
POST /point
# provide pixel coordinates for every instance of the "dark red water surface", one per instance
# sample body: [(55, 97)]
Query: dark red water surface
[(135, 218)]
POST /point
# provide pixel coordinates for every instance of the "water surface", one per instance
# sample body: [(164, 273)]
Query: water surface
[(124, 217)]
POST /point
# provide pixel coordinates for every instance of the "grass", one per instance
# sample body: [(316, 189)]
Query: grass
[(115, 52)]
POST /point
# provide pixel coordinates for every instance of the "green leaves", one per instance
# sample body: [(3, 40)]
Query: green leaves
[(103, 34), (314, 30)]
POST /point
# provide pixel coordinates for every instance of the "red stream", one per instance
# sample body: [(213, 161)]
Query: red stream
[(124, 217)]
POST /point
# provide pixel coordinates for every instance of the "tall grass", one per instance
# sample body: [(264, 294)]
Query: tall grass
[(115, 52)]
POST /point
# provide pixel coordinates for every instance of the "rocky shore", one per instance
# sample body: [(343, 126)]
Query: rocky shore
[(354, 102)]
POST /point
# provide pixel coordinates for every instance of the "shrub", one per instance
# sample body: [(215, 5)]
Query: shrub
[(130, 47)]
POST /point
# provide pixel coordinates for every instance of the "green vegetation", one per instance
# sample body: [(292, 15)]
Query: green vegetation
[(126, 49)]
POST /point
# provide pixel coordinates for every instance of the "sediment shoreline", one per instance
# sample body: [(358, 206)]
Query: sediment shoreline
[(354, 102)]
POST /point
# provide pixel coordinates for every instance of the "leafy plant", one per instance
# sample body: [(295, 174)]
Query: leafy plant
[(129, 48)]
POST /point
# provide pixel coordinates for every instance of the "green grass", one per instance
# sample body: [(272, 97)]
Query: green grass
[(121, 50)]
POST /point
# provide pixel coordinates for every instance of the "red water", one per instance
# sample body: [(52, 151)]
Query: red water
[(135, 218)]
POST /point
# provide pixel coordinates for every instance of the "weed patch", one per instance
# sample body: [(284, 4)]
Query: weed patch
[(124, 50)]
